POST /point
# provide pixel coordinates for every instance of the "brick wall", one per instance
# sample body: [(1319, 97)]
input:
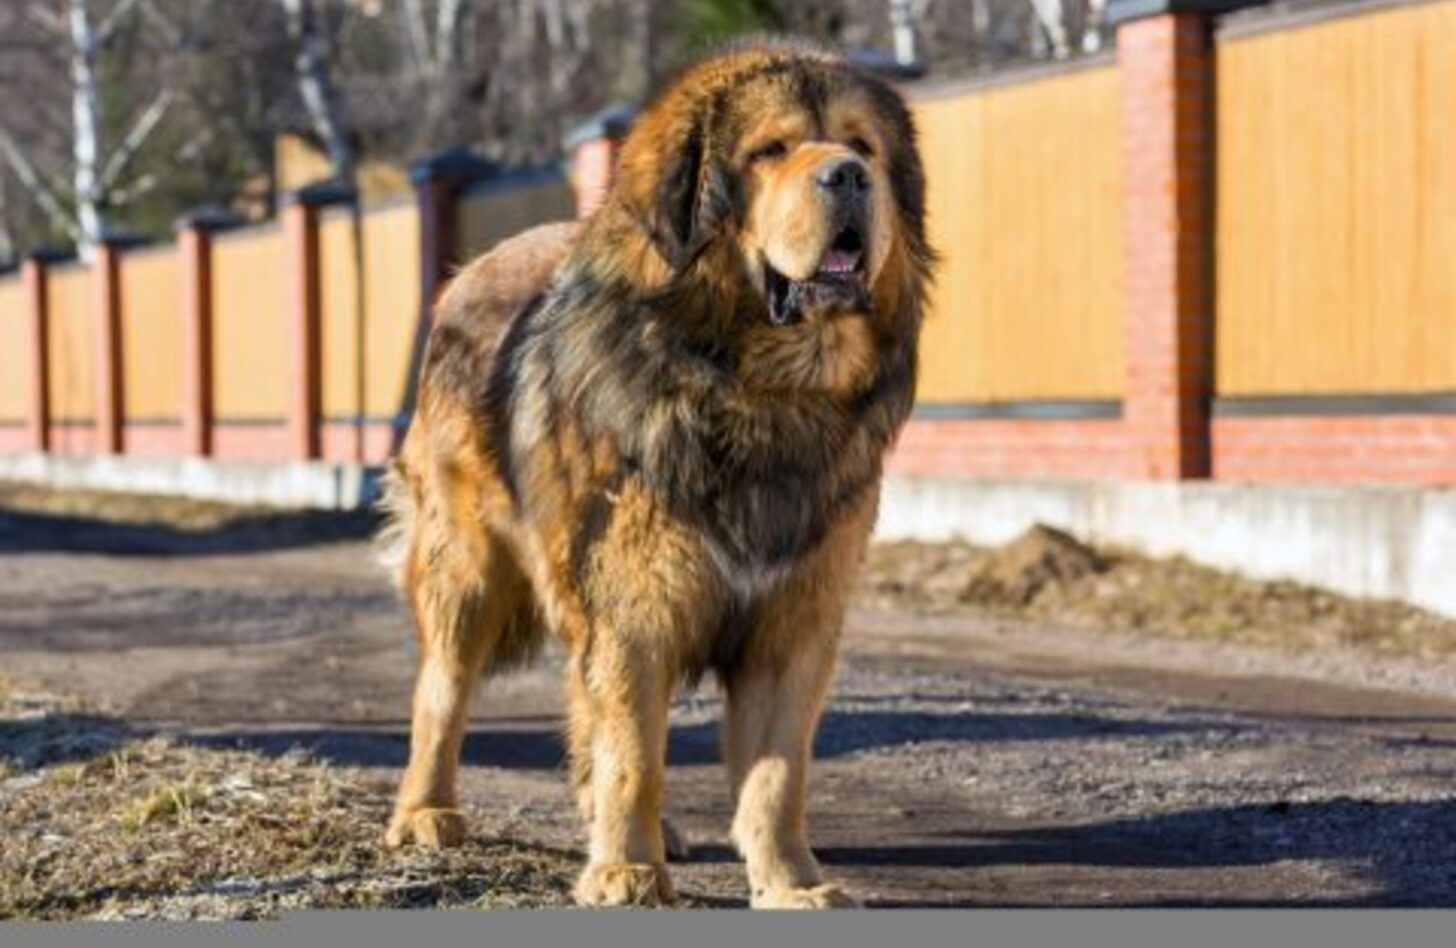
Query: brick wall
[(1413, 449), (1013, 448)]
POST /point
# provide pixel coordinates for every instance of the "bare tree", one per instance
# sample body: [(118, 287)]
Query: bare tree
[(98, 176), (315, 88), (434, 45)]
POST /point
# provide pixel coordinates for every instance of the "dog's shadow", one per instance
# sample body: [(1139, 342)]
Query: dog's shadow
[(535, 743), (1401, 849), (60, 737)]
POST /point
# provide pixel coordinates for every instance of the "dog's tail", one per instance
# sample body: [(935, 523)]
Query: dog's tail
[(397, 504)]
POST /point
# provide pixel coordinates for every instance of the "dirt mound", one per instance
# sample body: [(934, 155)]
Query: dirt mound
[(1039, 558), (1048, 575)]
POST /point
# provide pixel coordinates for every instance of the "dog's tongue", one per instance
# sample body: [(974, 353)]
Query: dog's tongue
[(839, 261)]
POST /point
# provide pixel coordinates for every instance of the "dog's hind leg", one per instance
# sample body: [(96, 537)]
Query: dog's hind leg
[(474, 612)]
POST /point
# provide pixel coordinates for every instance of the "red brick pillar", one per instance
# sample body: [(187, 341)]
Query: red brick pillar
[(304, 304), (37, 351), (592, 147), (106, 274), (194, 272), (1165, 60)]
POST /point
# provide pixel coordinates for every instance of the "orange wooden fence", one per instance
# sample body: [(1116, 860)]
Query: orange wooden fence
[(1224, 250)]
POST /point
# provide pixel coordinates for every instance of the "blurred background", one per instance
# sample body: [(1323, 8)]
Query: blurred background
[(123, 114)]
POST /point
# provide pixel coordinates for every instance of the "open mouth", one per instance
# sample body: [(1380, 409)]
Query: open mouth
[(838, 283), (844, 258)]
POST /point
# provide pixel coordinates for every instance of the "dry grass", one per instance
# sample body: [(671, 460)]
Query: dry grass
[(1048, 575), (178, 513), (103, 824)]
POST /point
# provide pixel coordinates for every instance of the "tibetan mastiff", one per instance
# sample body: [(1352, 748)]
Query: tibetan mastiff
[(659, 435)]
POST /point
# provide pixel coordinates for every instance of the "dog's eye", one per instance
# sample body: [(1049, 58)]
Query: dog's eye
[(859, 144), (769, 152)]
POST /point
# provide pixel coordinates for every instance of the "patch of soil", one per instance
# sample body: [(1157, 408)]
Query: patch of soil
[(102, 823), (1048, 575)]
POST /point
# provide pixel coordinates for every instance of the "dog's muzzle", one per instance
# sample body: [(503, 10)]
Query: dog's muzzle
[(839, 283)]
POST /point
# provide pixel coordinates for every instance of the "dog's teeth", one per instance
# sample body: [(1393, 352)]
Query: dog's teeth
[(839, 262)]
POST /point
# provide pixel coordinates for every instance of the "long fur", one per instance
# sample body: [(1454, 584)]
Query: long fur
[(616, 444)]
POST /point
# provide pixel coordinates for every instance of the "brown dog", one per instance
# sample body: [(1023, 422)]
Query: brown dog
[(660, 437)]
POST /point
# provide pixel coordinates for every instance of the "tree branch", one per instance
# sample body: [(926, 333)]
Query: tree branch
[(37, 189), (46, 19), (135, 138), (163, 23), (113, 20)]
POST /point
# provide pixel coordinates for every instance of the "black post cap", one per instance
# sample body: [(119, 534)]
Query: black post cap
[(1124, 11), (323, 193), (209, 218), (456, 165), (611, 122)]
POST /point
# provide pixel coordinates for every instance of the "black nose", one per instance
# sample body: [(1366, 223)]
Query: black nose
[(844, 177)]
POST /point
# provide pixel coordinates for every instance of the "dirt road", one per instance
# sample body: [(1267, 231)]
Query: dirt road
[(964, 760)]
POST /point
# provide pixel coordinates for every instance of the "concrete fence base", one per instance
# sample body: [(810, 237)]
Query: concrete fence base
[(1384, 541), (1388, 542), (293, 484)]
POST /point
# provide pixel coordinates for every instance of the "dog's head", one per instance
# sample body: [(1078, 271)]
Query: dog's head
[(787, 170)]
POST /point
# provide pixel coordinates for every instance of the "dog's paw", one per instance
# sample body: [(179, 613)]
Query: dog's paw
[(825, 896), (674, 842), (429, 827), (626, 883)]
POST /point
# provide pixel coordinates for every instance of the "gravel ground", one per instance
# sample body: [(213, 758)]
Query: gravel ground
[(242, 676)]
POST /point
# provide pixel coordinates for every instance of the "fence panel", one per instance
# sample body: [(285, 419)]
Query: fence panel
[(392, 306), (14, 371), (339, 315), (73, 344), (386, 304), (1024, 204), (151, 335), (509, 204), (1336, 223), (250, 351)]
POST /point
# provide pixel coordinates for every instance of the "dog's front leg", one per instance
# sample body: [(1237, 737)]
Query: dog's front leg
[(768, 735), (776, 693), (624, 698)]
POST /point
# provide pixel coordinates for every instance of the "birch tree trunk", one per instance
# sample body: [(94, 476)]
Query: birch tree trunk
[(1051, 16), (1092, 26), (85, 148), (902, 25)]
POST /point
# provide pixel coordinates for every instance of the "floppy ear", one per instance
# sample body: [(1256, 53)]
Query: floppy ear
[(693, 198)]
